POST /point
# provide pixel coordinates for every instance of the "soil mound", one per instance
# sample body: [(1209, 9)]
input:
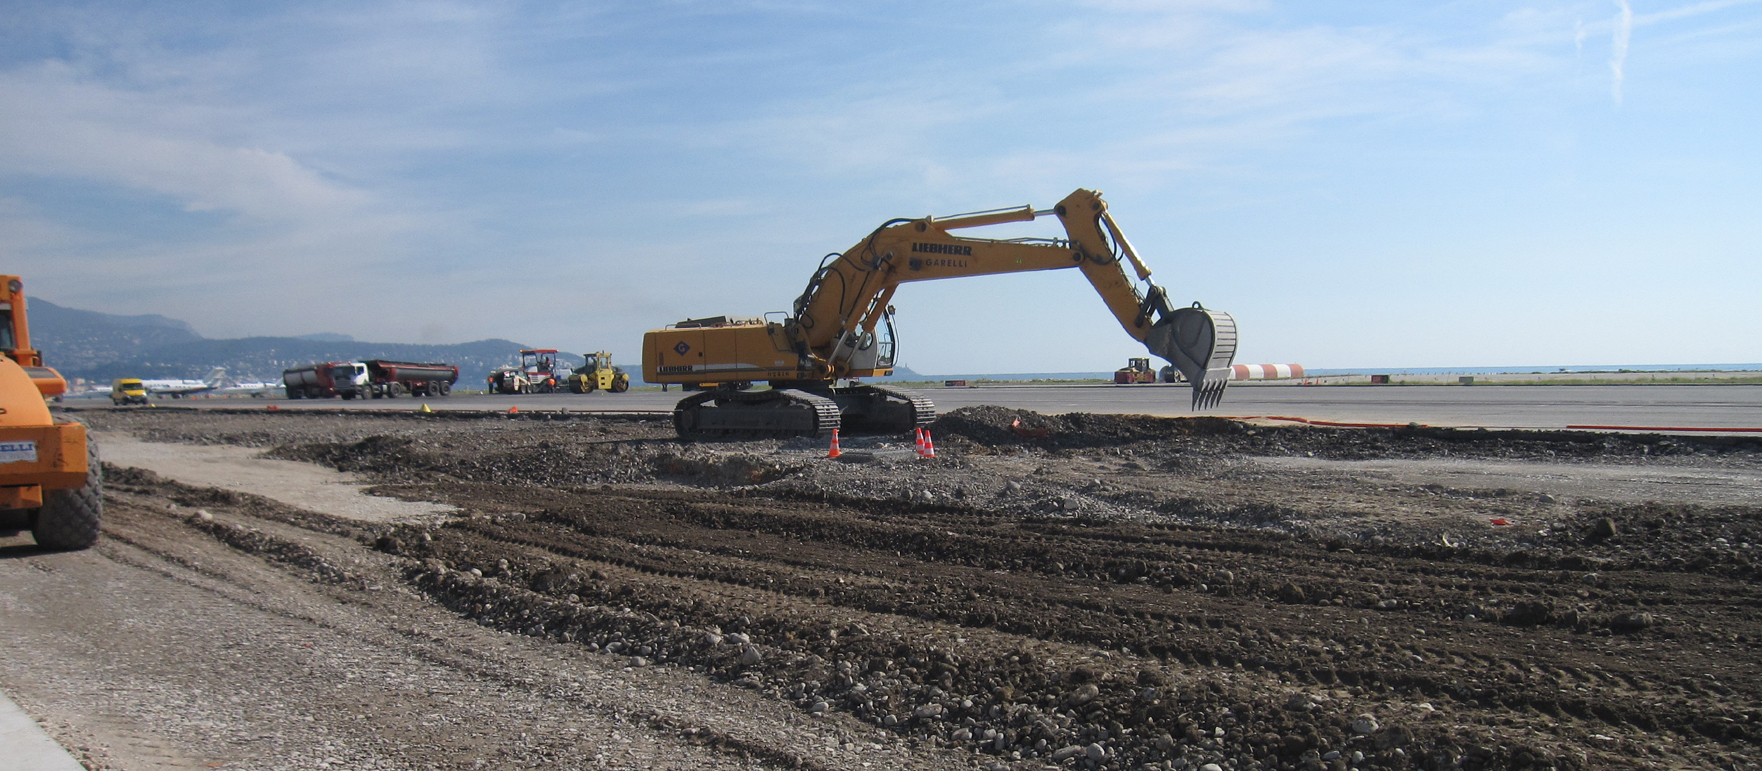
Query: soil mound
[(1002, 426)]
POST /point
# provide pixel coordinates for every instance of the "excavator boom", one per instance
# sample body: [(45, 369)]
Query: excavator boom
[(841, 325)]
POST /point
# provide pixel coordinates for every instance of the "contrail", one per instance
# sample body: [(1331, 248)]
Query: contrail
[(1624, 29)]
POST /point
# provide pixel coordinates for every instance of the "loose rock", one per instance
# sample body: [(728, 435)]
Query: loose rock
[(1364, 725)]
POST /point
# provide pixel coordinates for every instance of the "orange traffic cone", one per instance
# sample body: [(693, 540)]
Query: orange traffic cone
[(929, 444), (272, 408), (834, 451), (918, 441), (514, 410)]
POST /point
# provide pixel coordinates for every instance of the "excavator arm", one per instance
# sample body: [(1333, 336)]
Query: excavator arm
[(849, 295)]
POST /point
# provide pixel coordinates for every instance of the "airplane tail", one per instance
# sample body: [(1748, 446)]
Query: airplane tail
[(216, 377)]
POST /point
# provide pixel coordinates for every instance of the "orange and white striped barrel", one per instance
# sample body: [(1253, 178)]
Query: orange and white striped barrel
[(1265, 371)]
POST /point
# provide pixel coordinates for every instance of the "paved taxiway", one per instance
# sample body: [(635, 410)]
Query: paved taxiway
[(1687, 406)]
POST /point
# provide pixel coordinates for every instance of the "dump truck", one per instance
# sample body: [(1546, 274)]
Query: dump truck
[(309, 382), (382, 379), (50, 479)]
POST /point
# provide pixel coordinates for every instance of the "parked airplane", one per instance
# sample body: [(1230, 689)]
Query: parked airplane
[(251, 389), (180, 388)]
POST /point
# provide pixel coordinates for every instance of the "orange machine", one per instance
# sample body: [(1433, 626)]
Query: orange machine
[(1136, 371), (841, 327), (49, 473)]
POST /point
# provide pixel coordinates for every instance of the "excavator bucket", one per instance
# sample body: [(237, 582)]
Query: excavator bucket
[(1201, 344)]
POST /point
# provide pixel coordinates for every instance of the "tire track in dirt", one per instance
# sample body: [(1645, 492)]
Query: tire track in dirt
[(265, 644), (1382, 624), (1125, 592)]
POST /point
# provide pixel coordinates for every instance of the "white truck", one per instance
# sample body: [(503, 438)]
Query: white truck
[(378, 378)]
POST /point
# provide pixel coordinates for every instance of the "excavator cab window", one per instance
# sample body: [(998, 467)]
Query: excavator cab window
[(884, 338)]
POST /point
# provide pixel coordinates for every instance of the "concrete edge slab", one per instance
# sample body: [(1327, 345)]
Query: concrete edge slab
[(27, 746)]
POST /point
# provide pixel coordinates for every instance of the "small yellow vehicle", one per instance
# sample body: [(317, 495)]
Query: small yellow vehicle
[(598, 374), (1136, 371), (50, 479), (128, 390)]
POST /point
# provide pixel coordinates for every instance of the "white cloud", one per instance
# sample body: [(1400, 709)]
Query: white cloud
[(272, 233), (25, 230), (1624, 30), (59, 125), (647, 165), (1687, 11)]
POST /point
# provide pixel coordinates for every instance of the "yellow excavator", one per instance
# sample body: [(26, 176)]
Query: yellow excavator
[(841, 327)]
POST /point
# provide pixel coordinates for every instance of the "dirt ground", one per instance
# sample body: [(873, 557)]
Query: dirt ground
[(1080, 591)]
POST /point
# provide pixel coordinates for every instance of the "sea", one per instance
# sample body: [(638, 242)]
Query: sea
[(905, 374)]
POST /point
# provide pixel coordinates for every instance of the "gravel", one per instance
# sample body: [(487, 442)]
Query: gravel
[(1133, 592)]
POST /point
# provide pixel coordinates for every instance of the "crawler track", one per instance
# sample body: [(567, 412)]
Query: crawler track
[(780, 413), (754, 415)]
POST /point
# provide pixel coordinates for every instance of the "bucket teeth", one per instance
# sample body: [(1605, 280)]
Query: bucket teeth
[(1210, 391)]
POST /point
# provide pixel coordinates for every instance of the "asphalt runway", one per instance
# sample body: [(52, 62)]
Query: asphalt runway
[(1720, 407)]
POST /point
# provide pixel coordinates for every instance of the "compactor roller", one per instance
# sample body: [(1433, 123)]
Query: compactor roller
[(50, 478)]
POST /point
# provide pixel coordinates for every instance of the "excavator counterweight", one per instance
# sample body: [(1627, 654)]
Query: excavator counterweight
[(841, 327)]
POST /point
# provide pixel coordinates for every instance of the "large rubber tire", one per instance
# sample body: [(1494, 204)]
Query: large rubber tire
[(69, 519)]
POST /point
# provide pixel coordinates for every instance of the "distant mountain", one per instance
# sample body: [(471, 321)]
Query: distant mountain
[(72, 339), (102, 347)]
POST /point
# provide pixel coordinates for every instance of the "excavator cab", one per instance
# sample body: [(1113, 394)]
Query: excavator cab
[(870, 350)]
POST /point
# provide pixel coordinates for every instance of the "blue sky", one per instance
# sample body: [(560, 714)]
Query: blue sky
[(1360, 184)]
